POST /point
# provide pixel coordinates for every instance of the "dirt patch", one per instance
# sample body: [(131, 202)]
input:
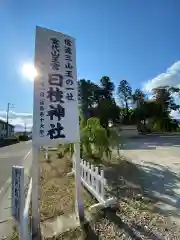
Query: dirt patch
[(57, 194), (133, 217)]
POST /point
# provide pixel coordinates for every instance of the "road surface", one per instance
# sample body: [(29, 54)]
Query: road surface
[(17, 154), (159, 159), (12, 155)]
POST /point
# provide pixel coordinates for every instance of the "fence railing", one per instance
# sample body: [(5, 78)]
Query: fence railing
[(93, 179)]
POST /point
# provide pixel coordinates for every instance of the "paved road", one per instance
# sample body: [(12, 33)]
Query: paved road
[(159, 159), (9, 156), (12, 155)]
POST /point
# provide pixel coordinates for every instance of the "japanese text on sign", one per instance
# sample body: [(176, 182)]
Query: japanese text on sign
[(55, 98), (17, 191)]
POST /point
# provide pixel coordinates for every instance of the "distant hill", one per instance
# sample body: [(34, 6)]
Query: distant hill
[(21, 128)]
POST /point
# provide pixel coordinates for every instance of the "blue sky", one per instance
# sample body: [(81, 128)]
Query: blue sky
[(135, 40)]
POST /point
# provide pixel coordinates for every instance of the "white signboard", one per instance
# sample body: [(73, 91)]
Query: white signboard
[(17, 192), (55, 115)]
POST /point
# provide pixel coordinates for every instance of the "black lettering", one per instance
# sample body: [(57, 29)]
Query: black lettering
[(55, 66), (57, 111), (41, 94), (69, 82), (55, 44), (68, 57), (68, 50), (69, 65), (68, 88), (55, 95), (55, 131), (41, 133), (68, 42), (68, 73), (41, 108), (70, 97), (42, 114), (55, 54), (55, 79)]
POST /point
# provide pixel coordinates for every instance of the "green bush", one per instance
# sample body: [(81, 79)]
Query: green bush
[(23, 138), (8, 141), (94, 138)]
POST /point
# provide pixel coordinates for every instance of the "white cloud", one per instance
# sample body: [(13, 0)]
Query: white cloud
[(18, 120), (171, 78), (175, 114)]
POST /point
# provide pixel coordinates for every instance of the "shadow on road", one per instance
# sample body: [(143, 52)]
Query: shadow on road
[(162, 184), (156, 182), (152, 142)]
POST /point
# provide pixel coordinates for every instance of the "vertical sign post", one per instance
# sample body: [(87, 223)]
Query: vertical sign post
[(79, 202), (18, 198), (55, 112)]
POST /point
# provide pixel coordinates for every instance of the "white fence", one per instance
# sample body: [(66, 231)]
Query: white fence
[(93, 179)]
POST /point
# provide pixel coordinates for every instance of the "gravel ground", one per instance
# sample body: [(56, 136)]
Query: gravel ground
[(128, 221), (133, 217)]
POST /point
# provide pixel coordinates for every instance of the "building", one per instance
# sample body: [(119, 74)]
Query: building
[(3, 129)]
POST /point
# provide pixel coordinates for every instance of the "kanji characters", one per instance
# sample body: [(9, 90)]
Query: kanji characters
[(57, 111), (55, 53), (55, 95), (56, 131), (55, 79)]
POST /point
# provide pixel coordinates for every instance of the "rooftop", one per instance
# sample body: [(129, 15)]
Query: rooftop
[(1, 121)]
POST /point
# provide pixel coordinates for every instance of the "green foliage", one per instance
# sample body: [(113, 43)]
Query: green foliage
[(94, 138), (23, 138), (106, 111), (8, 141), (107, 87), (66, 148), (95, 100), (88, 96), (125, 94), (98, 107)]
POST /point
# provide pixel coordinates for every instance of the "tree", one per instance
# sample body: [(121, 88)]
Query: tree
[(140, 111), (97, 101), (107, 87), (125, 94), (139, 97), (165, 103), (165, 100), (88, 96), (107, 110)]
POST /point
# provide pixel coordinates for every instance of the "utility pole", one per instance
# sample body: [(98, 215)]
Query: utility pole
[(25, 129), (7, 118)]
